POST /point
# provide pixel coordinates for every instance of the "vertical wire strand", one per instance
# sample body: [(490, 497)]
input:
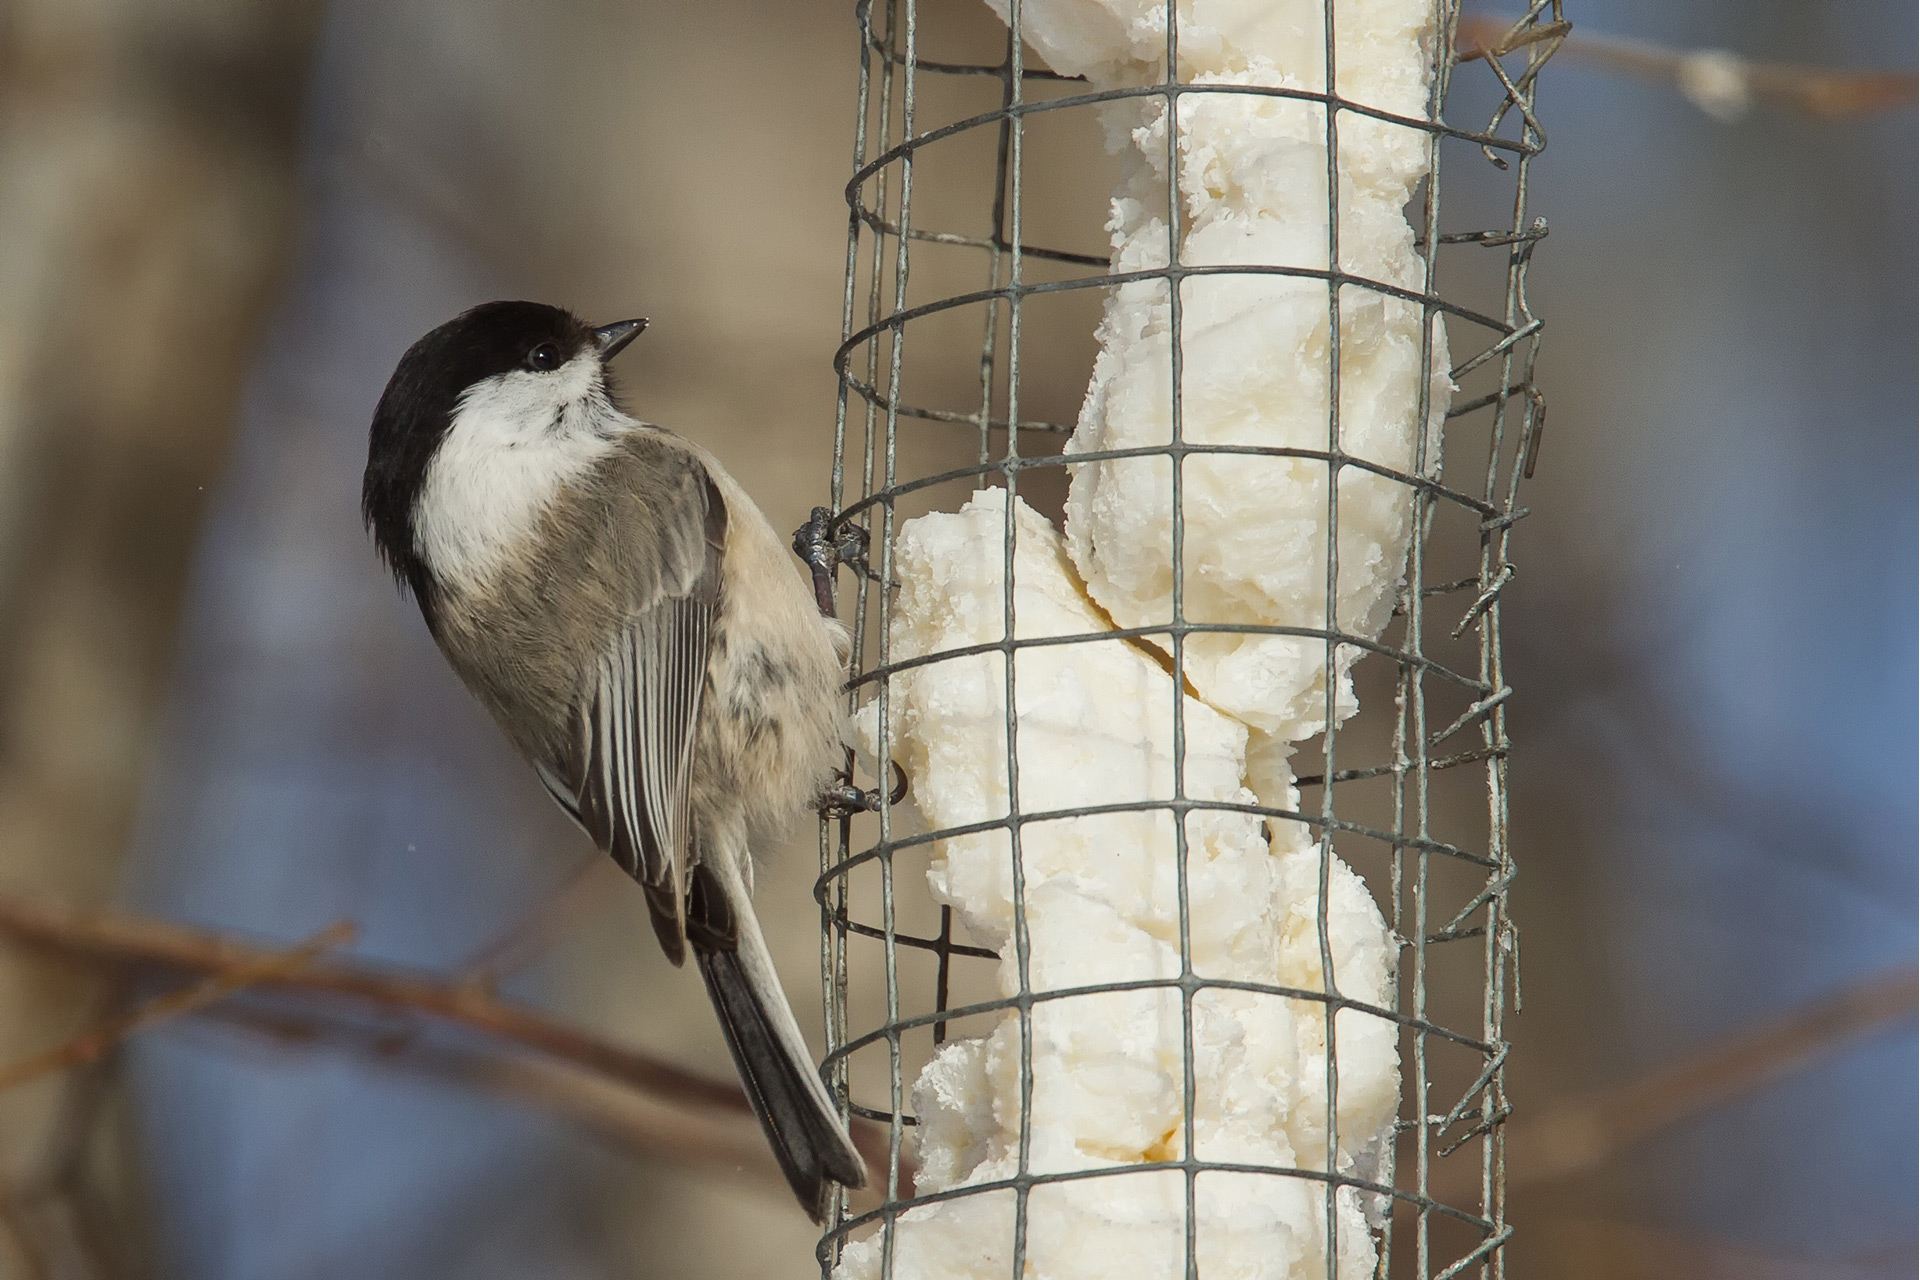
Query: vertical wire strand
[(1407, 676), (1516, 366), (989, 348), (1412, 686), (1176, 459), (1329, 986), (896, 1085), (833, 902), (1022, 943)]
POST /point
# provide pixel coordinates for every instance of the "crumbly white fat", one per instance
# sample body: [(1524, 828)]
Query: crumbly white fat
[(515, 440), (1115, 42), (1252, 181), (1094, 724)]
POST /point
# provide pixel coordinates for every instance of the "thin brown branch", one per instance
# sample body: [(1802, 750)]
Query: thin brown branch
[(1722, 84), (92, 1044), (728, 1143), (1577, 1136), (632, 1119), (1481, 35), (1589, 1249), (636, 1099), (123, 938)]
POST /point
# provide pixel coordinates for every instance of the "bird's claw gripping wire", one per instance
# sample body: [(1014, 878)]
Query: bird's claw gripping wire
[(843, 799), (825, 548)]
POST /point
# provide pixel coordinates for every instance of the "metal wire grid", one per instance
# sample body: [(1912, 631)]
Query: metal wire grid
[(1506, 422)]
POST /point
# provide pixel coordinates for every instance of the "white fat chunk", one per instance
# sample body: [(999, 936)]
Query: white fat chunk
[(1254, 352), (1381, 51), (1132, 1224), (1094, 726)]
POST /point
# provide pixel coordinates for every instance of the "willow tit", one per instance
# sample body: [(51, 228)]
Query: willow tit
[(629, 617)]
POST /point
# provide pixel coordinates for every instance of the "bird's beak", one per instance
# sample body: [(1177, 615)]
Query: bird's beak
[(612, 337)]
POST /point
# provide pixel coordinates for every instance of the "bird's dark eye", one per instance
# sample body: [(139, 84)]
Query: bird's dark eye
[(544, 358)]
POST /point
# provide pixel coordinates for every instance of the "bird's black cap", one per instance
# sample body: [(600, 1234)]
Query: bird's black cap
[(416, 410)]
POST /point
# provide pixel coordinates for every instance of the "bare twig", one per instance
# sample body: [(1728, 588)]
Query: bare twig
[(632, 1119), (1587, 1249), (636, 1099), (728, 1143), (92, 1044), (1574, 1137), (1722, 84), (134, 939)]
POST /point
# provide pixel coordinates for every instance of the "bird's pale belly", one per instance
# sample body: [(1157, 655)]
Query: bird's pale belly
[(769, 731)]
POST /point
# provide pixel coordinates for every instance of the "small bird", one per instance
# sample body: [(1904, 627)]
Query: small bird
[(632, 622)]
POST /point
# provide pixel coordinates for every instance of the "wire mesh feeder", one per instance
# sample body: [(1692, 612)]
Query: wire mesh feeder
[(976, 200)]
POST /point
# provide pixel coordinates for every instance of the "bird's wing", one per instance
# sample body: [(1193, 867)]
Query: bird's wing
[(637, 714)]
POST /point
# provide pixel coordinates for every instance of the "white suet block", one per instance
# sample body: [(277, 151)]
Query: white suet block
[(1094, 725), (1255, 348)]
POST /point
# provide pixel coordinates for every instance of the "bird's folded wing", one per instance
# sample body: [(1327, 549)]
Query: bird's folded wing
[(637, 717)]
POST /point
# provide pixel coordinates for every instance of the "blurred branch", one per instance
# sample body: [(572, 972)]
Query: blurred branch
[(1587, 1249), (637, 1100), (636, 1120), (129, 939), (725, 1140), (91, 1045), (1573, 1137), (1722, 84)]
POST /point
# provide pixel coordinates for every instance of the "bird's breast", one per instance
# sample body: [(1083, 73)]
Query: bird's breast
[(486, 489)]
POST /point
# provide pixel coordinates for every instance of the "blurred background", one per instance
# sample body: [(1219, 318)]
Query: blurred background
[(221, 221)]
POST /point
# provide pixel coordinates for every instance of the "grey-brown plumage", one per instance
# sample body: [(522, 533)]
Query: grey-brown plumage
[(633, 623)]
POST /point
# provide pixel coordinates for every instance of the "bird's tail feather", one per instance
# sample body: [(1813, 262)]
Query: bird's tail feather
[(793, 1104)]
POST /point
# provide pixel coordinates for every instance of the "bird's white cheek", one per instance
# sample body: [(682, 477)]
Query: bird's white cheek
[(516, 441)]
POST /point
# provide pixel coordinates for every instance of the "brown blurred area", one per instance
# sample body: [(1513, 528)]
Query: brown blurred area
[(220, 223), (147, 216)]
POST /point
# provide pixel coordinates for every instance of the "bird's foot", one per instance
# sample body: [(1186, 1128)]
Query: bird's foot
[(843, 799)]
